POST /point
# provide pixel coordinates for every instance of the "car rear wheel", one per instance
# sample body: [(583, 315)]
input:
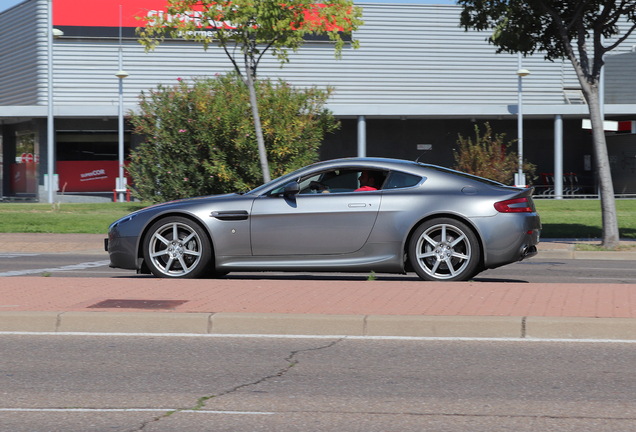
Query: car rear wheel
[(177, 247), (444, 249)]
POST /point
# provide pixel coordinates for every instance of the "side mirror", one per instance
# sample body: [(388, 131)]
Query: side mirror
[(291, 189)]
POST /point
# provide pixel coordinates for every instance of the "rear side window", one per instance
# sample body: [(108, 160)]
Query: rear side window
[(398, 180)]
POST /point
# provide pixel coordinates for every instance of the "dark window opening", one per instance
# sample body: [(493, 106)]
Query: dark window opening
[(88, 146)]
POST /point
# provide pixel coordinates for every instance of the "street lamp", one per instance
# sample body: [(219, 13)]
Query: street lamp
[(120, 183), (520, 178), (50, 130)]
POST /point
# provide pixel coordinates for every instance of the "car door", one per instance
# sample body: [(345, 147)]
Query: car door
[(313, 224)]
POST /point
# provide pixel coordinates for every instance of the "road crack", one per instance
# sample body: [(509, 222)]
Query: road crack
[(201, 402)]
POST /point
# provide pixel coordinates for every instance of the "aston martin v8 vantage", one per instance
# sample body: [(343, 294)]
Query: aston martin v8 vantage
[(445, 225)]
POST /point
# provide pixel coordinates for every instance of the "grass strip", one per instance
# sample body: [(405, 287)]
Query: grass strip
[(574, 218), (65, 219)]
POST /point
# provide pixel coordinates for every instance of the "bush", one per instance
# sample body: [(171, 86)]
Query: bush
[(487, 158), (200, 136)]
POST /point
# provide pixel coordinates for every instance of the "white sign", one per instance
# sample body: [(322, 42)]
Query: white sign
[(608, 125)]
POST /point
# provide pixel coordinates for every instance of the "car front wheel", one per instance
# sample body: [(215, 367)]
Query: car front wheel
[(444, 249), (177, 247)]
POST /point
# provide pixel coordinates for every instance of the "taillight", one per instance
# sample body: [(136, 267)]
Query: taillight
[(517, 205)]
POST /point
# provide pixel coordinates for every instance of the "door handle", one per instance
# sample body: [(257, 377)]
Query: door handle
[(356, 205)]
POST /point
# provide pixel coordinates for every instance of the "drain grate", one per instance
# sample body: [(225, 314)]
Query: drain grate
[(138, 304)]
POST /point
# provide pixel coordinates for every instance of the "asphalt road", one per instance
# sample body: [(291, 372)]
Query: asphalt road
[(535, 270), (105, 383)]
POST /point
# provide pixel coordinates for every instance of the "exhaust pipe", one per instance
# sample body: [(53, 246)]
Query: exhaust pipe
[(528, 252)]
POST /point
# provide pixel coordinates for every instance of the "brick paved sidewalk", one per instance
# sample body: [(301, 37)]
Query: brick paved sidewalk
[(325, 296), (358, 308)]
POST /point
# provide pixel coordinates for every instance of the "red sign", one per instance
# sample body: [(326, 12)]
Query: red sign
[(625, 126), (28, 157), (102, 19), (88, 176), (104, 13)]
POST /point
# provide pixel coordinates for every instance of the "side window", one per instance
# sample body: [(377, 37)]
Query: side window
[(398, 180), (336, 181), (341, 180)]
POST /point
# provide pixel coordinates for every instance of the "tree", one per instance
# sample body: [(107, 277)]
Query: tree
[(561, 29), (199, 136), (247, 29), (486, 157)]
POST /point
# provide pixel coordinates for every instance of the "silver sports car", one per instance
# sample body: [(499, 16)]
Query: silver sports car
[(345, 215)]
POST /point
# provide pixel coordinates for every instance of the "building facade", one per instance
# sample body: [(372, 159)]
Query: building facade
[(417, 81)]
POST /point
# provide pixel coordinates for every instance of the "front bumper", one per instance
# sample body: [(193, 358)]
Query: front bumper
[(122, 252)]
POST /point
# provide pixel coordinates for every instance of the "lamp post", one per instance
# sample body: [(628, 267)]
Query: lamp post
[(520, 178), (50, 130), (120, 184)]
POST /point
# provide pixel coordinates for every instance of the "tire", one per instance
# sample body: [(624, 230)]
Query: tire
[(444, 249), (177, 247)]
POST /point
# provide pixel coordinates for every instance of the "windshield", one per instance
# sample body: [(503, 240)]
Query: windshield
[(261, 188)]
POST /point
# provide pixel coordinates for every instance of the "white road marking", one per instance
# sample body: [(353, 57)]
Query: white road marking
[(610, 269), (81, 266), (344, 337), (607, 278), (16, 255), (69, 410)]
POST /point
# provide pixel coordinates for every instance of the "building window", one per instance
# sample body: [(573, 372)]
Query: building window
[(90, 146)]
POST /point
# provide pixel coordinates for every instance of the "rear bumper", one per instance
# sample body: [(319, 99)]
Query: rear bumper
[(509, 238)]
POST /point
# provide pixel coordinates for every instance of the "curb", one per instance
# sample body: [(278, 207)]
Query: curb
[(585, 255), (225, 323)]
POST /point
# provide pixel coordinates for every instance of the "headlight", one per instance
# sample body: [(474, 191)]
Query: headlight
[(122, 220)]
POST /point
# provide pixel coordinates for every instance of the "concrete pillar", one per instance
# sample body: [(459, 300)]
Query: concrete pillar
[(362, 137), (558, 157)]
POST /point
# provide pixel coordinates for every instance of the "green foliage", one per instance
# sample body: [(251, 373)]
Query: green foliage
[(581, 31), (200, 136), (487, 157), (246, 29), (548, 26)]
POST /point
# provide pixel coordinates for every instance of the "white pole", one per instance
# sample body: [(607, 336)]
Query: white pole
[(558, 157), (362, 137), (521, 181), (121, 185), (50, 130)]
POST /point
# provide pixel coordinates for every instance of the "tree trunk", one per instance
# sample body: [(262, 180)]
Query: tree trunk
[(262, 152), (611, 237)]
